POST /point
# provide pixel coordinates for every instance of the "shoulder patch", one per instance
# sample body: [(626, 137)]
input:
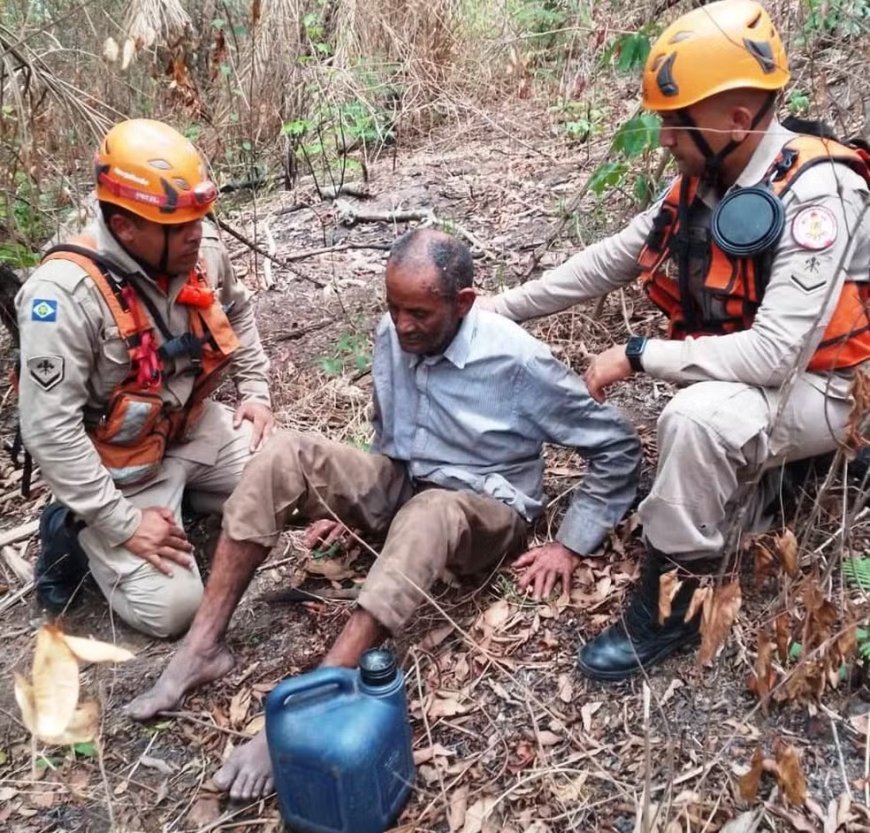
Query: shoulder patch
[(814, 228), (43, 309), (46, 371)]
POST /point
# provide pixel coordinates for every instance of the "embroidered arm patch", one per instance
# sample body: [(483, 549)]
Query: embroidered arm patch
[(46, 371)]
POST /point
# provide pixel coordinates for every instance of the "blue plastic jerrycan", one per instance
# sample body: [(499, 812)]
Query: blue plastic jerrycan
[(340, 743)]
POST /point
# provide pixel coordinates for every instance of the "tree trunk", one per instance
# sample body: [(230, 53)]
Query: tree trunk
[(10, 283)]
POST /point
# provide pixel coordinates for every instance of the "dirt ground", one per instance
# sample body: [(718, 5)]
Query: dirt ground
[(507, 736)]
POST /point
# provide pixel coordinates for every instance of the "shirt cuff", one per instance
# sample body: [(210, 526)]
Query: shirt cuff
[(663, 359), (255, 392), (119, 525), (581, 531)]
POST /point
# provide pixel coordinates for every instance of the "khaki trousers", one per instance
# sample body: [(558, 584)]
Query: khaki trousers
[(298, 478), (715, 436), (141, 595)]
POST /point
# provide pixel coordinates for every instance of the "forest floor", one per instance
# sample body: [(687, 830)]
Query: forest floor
[(507, 735)]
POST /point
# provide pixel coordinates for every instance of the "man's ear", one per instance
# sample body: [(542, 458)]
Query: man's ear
[(741, 123), (123, 228), (464, 300)]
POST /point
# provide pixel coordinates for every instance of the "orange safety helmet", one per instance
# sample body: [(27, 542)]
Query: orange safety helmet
[(151, 170), (726, 45)]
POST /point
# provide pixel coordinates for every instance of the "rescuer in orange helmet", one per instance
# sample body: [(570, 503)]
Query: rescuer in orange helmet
[(757, 253), (126, 330)]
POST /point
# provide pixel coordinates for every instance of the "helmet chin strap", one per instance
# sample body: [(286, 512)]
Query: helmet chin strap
[(713, 159), (147, 268)]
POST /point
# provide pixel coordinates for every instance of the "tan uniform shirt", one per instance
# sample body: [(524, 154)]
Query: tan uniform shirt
[(72, 357), (800, 297)]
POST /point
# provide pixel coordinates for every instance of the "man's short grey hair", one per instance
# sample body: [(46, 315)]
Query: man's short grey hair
[(448, 255)]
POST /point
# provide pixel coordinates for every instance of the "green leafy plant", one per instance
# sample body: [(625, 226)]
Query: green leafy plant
[(835, 18), (352, 353), (629, 51), (634, 138), (798, 102)]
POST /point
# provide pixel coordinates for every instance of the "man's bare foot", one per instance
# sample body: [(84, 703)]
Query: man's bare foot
[(247, 774), (189, 668)]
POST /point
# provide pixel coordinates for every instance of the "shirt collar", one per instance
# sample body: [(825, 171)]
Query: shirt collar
[(458, 350)]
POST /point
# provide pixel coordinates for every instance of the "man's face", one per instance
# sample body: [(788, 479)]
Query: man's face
[(714, 124), (425, 319), (145, 240)]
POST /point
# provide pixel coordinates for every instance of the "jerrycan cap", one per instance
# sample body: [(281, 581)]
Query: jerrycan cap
[(377, 667)]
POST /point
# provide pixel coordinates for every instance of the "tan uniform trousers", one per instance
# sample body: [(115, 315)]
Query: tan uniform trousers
[(141, 595), (300, 478), (712, 438)]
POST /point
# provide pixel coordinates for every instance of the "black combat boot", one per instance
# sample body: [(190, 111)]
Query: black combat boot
[(62, 564), (638, 640)]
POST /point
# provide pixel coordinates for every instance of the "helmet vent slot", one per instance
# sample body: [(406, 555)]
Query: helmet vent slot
[(160, 164)]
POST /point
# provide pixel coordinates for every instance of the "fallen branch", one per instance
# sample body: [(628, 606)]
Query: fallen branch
[(16, 597), (351, 189), (260, 251), (293, 595), (350, 215), (268, 281), (19, 533), (298, 332), (342, 247)]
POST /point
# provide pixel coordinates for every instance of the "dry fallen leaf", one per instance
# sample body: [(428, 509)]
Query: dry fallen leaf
[(446, 707), (432, 639), (787, 550), (717, 616), (239, 707), (477, 813), (55, 683), (744, 823), (764, 677), (81, 727), (586, 712), (422, 756), (332, 568), (256, 725), (669, 585), (750, 781), (789, 774), (782, 626), (457, 808), (699, 597), (566, 688), (204, 813), (93, 650), (496, 615)]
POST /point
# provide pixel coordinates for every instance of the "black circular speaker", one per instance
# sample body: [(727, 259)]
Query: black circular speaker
[(748, 221)]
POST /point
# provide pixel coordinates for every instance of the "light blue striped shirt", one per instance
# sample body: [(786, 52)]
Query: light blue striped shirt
[(476, 418)]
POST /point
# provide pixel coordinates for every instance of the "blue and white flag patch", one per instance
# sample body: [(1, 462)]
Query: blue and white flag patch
[(43, 309)]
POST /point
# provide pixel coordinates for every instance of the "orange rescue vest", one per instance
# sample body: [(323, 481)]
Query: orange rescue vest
[(735, 286), (136, 425)]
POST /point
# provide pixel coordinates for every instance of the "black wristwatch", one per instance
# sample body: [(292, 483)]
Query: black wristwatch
[(633, 351)]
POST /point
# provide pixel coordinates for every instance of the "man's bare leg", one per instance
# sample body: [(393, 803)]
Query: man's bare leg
[(247, 773), (203, 655)]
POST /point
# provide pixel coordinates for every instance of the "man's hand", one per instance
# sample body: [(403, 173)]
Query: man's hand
[(160, 541), (261, 416), (544, 566), (605, 369), (324, 533)]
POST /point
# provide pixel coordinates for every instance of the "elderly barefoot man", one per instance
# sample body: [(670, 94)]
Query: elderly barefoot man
[(464, 400)]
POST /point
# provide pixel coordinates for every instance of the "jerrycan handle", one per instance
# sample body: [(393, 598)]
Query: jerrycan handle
[(316, 682)]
